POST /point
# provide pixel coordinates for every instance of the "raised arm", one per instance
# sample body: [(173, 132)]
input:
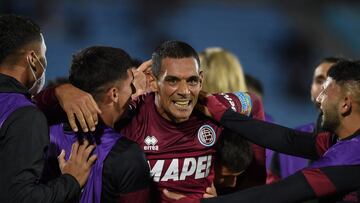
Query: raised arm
[(268, 135), (327, 182), (68, 102)]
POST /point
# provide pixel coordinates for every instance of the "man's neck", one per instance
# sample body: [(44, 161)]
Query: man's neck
[(348, 126), (14, 72), (106, 116)]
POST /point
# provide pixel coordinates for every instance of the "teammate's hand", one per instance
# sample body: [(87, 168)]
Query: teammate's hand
[(79, 104), (210, 106), (141, 78), (210, 192), (79, 163), (173, 195), (202, 102)]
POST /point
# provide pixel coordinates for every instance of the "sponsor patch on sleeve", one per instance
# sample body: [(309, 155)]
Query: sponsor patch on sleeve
[(245, 101)]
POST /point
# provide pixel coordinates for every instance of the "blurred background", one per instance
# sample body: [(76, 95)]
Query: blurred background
[(277, 41)]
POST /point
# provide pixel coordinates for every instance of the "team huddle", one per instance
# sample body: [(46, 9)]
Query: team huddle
[(119, 133)]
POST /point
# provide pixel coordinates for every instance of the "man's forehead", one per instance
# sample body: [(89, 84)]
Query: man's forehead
[(180, 68), (322, 69), (179, 63)]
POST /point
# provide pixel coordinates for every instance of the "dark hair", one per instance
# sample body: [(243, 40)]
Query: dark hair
[(233, 151), (345, 70), (95, 67), (252, 82), (172, 49), (331, 59), (16, 32)]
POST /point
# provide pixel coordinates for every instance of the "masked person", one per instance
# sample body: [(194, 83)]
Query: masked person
[(24, 134)]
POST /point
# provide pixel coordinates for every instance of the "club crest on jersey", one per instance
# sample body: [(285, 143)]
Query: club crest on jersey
[(206, 136), (151, 142)]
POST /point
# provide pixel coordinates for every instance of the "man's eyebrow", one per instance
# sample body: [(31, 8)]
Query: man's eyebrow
[(194, 77), (171, 77)]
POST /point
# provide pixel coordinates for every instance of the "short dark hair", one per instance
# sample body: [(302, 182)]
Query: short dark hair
[(346, 73), (16, 32), (330, 59), (172, 49), (345, 70), (233, 151), (95, 67)]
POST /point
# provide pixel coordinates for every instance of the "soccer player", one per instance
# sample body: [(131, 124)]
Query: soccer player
[(178, 142), (283, 165), (121, 173), (334, 174), (23, 128)]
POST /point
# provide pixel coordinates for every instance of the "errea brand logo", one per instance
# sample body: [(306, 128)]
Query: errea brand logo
[(151, 142)]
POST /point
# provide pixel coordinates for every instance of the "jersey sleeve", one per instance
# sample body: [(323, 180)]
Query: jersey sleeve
[(47, 102), (303, 185), (278, 138)]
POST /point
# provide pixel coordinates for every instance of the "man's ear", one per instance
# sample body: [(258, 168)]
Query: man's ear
[(112, 95), (346, 105), (201, 76), (31, 59)]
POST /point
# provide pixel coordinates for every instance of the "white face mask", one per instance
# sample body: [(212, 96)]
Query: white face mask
[(39, 82)]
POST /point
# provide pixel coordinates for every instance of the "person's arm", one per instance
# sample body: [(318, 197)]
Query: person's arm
[(303, 185), (66, 101), (273, 136), (126, 174), (278, 138), (26, 139)]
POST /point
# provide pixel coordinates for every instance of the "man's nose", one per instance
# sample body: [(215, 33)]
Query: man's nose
[(183, 88)]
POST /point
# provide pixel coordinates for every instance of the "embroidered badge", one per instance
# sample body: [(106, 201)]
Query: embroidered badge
[(206, 135)]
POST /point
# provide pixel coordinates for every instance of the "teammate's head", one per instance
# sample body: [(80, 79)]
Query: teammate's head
[(104, 72), (223, 71), (22, 51), (320, 74), (233, 156), (340, 95), (177, 80)]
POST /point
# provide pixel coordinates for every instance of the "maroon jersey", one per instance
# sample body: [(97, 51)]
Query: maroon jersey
[(181, 155)]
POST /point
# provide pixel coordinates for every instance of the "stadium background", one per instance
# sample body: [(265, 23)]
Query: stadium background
[(277, 41)]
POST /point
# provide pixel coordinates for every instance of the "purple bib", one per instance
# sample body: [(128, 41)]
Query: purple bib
[(291, 164), (61, 139), (344, 152), (11, 102)]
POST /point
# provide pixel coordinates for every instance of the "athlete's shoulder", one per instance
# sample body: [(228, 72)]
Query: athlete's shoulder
[(241, 102), (142, 101)]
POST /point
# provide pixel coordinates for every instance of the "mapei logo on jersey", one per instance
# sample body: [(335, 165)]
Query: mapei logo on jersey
[(206, 136), (151, 142), (180, 169)]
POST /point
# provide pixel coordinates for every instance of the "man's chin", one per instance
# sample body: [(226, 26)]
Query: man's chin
[(181, 117)]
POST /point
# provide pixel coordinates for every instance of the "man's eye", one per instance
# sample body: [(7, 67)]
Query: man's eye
[(171, 81), (193, 82), (319, 81)]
